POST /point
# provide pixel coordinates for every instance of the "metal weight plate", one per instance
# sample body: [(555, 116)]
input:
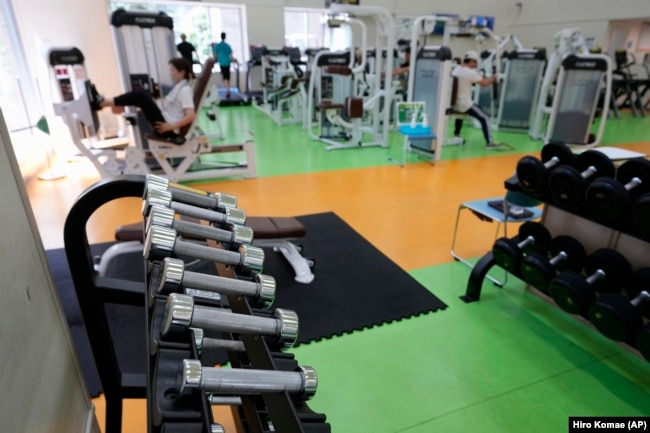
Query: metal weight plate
[(537, 271), (614, 316), (571, 292), (539, 233), (635, 284), (507, 254), (532, 175), (637, 167), (607, 199), (558, 150), (574, 250), (601, 162), (615, 266)]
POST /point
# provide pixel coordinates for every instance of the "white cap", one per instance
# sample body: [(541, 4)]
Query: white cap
[(472, 55)]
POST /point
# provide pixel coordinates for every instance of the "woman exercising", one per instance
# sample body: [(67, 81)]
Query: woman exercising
[(177, 107)]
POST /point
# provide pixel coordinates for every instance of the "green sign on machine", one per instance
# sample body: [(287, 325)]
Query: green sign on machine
[(405, 111)]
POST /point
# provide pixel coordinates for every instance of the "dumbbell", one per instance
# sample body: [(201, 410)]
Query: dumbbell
[(568, 183), (164, 198), (538, 269), (611, 200), (606, 271), (301, 384), (641, 215), (619, 317), (201, 342), (173, 276), (188, 195), (533, 173), (508, 252), (165, 217), (181, 311), (162, 242)]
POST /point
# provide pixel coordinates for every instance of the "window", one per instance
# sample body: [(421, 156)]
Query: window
[(201, 23), (305, 28)]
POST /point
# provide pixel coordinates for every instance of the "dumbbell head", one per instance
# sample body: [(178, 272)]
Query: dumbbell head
[(616, 317), (154, 197), (605, 271), (641, 216), (533, 173), (289, 327), (509, 252), (155, 182), (159, 243), (160, 216), (565, 252), (568, 184), (639, 281), (610, 200)]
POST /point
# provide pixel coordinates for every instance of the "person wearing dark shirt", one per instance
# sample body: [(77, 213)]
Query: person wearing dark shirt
[(404, 67), (186, 49)]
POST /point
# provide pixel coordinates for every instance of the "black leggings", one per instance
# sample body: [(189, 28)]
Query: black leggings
[(148, 106), (483, 119)]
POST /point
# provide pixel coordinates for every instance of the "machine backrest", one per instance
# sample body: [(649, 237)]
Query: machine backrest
[(199, 89)]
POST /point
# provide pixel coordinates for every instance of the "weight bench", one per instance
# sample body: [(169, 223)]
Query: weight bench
[(272, 232)]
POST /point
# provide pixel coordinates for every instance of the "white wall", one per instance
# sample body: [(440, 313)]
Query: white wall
[(536, 21)]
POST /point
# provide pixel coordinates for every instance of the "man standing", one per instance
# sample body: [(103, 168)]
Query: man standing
[(186, 49), (467, 76), (223, 56)]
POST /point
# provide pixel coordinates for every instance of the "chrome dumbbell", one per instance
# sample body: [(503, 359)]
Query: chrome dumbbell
[(164, 198), (166, 217), (188, 195), (180, 311), (173, 277), (302, 384), (162, 242)]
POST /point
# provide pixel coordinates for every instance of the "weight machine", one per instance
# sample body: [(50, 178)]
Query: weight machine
[(344, 117), (626, 87), (579, 78)]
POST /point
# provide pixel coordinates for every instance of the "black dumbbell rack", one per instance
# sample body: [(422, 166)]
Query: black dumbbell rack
[(619, 230), (169, 411)]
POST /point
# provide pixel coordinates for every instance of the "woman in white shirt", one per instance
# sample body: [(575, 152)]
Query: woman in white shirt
[(468, 76), (177, 106)]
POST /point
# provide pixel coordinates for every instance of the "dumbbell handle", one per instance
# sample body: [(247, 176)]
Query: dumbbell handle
[(527, 241), (641, 298), (190, 195), (200, 213), (228, 401), (590, 171), (225, 286), (595, 276), (184, 248), (633, 183), (166, 217), (229, 345), (561, 256), (552, 162), (247, 381), (215, 320)]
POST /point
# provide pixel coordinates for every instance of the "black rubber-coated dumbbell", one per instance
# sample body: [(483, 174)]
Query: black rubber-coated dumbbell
[(508, 252), (606, 271), (619, 317), (611, 200), (568, 183), (566, 253), (643, 341), (533, 173), (641, 215)]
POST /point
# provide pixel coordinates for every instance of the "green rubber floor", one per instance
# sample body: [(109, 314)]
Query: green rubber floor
[(283, 150), (508, 363)]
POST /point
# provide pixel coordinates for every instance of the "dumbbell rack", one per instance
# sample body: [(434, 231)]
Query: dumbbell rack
[(578, 224), (169, 411)]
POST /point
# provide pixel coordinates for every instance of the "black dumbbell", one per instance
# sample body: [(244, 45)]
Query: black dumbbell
[(566, 253), (643, 341), (568, 183), (533, 173), (508, 252), (606, 271), (619, 317), (611, 200), (641, 215)]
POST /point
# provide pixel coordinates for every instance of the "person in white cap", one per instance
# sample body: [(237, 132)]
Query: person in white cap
[(468, 76)]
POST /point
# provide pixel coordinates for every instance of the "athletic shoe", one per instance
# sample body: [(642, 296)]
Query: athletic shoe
[(494, 146)]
